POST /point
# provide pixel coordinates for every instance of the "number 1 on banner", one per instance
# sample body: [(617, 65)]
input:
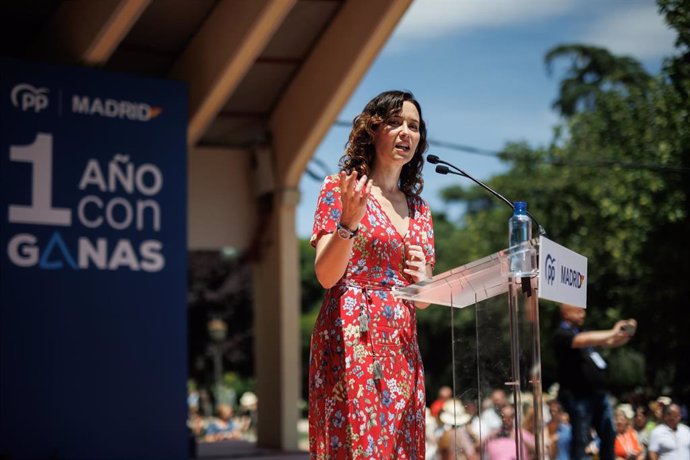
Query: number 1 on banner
[(41, 210)]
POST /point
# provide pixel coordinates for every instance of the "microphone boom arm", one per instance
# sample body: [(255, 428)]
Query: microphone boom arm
[(443, 168)]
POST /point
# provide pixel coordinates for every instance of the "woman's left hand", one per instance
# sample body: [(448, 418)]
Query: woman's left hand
[(415, 260)]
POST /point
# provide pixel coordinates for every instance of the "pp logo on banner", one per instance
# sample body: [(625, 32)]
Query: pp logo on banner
[(29, 98), (562, 274), (550, 269)]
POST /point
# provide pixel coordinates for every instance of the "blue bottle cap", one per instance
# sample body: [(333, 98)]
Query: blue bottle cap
[(520, 208)]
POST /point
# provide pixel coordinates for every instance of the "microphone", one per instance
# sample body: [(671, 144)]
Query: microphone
[(433, 159), (443, 167)]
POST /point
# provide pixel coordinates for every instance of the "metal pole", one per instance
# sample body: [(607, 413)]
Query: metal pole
[(532, 304), (513, 306), (218, 371)]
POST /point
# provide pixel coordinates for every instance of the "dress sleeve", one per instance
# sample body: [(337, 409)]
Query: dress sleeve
[(328, 209)]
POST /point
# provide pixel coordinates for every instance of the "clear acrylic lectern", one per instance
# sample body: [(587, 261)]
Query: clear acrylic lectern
[(495, 345)]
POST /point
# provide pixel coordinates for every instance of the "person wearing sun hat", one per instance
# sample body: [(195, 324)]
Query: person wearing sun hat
[(455, 442), (248, 419), (627, 444), (249, 400)]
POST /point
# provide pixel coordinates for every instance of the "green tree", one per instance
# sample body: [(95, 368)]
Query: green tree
[(592, 71), (613, 187)]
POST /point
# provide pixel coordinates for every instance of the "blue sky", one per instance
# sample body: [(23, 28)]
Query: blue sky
[(476, 66)]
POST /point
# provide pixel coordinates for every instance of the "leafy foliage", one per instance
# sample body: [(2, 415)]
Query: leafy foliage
[(218, 288), (593, 70), (612, 186)]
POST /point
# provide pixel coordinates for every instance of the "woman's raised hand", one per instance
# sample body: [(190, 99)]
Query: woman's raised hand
[(354, 193)]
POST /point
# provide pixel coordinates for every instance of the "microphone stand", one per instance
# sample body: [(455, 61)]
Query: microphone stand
[(443, 167)]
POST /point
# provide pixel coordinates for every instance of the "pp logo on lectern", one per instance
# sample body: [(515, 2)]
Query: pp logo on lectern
[(550, 269), (27, 97)]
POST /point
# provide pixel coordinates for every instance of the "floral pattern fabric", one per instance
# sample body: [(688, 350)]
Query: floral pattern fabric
[(366, 380)]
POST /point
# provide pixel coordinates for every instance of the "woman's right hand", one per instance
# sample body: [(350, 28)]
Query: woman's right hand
[(354, 193), (333, 252)]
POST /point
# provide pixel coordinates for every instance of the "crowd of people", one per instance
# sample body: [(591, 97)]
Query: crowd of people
[(457, 430), (206, 425), (461, 430)]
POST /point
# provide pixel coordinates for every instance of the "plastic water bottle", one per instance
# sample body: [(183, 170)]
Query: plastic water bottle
[(520, 224), (520, 230)]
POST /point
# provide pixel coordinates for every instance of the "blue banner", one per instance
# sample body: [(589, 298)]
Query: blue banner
[(93, 273)]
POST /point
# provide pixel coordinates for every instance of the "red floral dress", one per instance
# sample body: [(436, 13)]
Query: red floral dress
[(366, 380)]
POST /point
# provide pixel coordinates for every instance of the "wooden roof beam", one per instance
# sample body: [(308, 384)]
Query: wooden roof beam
[(222, 53), (87, 31), (327, 79)]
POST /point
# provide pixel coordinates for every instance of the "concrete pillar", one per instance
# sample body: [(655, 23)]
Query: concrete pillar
[(276, 326)]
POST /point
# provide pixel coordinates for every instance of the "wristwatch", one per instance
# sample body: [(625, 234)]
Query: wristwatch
[(344, 232)]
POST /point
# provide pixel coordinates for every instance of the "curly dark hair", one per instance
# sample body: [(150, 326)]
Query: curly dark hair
[(360, 152)]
